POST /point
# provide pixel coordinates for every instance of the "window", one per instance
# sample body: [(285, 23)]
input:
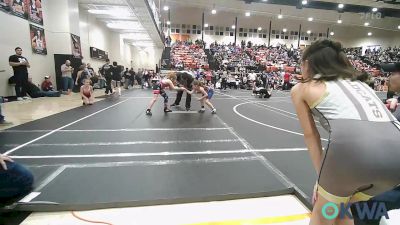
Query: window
[(231, 34)]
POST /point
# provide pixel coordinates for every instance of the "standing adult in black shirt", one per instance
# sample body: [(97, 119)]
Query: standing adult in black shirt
[(117, 70), (106, 71), (184, 79), (20, 66), (133, 76)]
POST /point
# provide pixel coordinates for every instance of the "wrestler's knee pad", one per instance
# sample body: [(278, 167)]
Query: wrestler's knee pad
[(165, 96)]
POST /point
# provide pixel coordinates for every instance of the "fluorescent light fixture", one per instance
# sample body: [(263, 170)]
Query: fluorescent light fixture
[(304, 2), (265, 0), (168, 22), (214, 11), (247, 14), (259, 28), (206, 25), (233, 27), (310, 19), (284, 30), (136, 36), (340, 6), (369, 33), (339, 21), (124, 25), (374, 9), (309, 32), (116, 11), (332, 33), (280, 16), (166, 8), (366, 24)]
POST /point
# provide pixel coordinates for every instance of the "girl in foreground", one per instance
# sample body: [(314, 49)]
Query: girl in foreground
[(354, 167), (207, 92), (87, 93), (159, 89)]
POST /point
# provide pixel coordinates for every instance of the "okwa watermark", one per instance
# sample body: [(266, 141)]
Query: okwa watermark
[(364, 211)]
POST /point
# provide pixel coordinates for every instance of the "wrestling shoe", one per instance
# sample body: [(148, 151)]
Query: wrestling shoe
[(148, 112)]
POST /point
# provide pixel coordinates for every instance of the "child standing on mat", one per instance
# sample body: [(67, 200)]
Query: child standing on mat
[(159, 89), (87, 93), (207, 92)]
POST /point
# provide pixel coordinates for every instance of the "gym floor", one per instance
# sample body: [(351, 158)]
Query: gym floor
[(111, 154)]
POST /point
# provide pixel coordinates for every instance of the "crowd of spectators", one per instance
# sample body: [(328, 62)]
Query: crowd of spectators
[(187, 54)]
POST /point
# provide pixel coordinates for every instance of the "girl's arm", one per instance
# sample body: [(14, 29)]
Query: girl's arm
[(311, 135), (204, 93), (173, 87)]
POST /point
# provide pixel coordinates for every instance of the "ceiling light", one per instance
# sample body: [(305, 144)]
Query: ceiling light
[(265, 0), (369, 33), (309, 32), (366, 24), (166, 8), (374, 9), (206, 25), (280, 16), (310, 19), (398, 27), (214, 11), (233, 27), (168, 22), (115, 11), (259, 28), (124, 25), (339, 21), (332, 33), (136, 36), (284, 30), (304, 2), (247, 14), (340, 6)]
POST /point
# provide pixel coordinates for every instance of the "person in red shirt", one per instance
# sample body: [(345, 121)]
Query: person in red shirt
[(47, 85), (208, 76), (286, 81)]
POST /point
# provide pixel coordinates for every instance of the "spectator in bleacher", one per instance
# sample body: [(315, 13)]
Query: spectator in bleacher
[(66, 73), (35, 92)]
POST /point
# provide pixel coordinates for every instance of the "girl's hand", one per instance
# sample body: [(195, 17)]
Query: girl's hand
[(3, 160)]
